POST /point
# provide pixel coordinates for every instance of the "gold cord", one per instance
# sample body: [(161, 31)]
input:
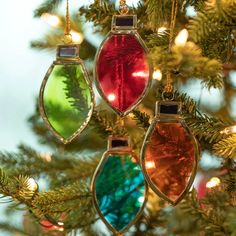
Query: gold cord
[(123, 9), (67, 35), (174, 10), (67, 18), (120, 122)]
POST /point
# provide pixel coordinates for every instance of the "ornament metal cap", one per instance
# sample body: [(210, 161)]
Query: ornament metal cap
[(68, 52), (168, 108), (115, 142), (124, 22)]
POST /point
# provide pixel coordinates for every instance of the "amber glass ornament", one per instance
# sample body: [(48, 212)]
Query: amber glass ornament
[(66, 98), (118, 186), (170, 153), (122, 68)]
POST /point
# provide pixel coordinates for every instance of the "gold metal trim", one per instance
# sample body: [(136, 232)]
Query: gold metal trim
[(142, 158), (105, 157), (41, 100), (99, 89)]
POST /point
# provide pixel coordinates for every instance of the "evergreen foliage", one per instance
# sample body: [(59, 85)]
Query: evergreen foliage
[(68, 169)]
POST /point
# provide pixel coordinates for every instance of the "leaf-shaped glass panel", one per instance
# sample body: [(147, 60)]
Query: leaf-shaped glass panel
[(66, 100), (169, 154), (122, 66), (119, 190)]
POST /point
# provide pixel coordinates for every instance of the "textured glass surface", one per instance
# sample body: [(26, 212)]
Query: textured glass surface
[(170, 159), (67, 99), (120, 190), (122, 71)]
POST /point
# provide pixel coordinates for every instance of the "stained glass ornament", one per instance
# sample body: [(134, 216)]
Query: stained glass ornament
[(118, 187), (66, 97), (122, 69), (170, 153)]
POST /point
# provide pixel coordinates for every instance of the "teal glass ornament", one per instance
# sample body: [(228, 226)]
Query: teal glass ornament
[(118, 186), (66, 99)]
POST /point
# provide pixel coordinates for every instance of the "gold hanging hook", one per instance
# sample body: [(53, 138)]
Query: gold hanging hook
[(120, 122), (123, 8), (119, 126), (67, 36), (168, 89)]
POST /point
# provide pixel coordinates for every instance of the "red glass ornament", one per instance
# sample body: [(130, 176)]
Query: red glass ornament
[(170, 154), (122, 67)]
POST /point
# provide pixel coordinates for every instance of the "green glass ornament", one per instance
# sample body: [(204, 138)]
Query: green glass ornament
[(118, 186), (66, 99)]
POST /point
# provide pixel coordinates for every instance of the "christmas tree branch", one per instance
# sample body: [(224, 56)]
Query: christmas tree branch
[(47, 6), (73, 198), (211, 28), (197, 4), (108, 124), (226, 147), (20, 188), (66, 167), (186, 61), (101, 124), (100, 13), (70, 205), (55, 37), (47, 200), (34, 163), (141, 118), (158, 39), (230, 221), (211, 222), (155, 11)]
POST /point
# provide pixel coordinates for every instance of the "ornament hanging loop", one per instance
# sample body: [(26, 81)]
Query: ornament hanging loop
[(119, 128), (167, 93), (167, 96), (122, 121), (67, 39), (123, 8)]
